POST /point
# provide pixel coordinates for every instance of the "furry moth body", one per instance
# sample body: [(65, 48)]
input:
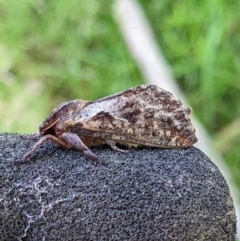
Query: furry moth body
[(145, 115)]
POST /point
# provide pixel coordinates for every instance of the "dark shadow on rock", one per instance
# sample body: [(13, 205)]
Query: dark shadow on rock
[(148, 194)]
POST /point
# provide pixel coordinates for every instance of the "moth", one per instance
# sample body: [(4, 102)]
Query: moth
[(145, 115)]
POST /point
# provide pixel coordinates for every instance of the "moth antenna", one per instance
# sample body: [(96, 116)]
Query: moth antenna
[(50, 126)]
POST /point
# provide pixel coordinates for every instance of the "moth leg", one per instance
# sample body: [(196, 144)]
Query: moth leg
[(39, 143), (74, 141), (112, 144)]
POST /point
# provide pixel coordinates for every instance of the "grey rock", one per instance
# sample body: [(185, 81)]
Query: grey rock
[(148, 194)]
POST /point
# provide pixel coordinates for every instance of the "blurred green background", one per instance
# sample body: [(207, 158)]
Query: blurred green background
[(53, 51)]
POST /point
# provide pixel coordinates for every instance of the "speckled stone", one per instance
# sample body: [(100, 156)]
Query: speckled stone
[(148, 194)]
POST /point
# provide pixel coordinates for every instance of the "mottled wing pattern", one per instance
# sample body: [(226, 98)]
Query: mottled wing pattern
[(144, 115)]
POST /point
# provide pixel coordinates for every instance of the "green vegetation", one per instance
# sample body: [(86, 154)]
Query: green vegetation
[(57, 51), (53, 51)]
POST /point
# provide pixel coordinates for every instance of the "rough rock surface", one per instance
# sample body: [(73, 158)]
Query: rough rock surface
[(148, 194)]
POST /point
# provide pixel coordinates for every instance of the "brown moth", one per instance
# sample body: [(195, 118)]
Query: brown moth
[(145, 115)]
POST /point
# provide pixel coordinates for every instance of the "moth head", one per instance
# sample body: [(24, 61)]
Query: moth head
[(60, 114)]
